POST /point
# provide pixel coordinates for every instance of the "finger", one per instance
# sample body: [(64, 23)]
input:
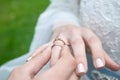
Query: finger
[(95, 46), (55, 55), (65, 66), (34, 65), (74, 77), (38, 50), (56, 52), (78, 47), (111, 64)]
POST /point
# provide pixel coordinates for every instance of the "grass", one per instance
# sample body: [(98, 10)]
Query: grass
[(17, 22)]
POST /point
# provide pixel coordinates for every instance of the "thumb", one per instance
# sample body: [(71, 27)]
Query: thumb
[(66, 64)]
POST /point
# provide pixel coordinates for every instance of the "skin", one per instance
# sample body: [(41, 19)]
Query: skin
[(80, 39), (29, 70)]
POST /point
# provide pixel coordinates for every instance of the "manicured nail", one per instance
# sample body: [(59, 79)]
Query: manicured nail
[(80, 68), (99, 63), (28, 59)]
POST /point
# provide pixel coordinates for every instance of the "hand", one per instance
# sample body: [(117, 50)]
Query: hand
[(62, 70), (81, 39)]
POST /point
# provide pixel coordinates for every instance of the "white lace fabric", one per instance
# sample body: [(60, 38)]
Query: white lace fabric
[(103, 17)]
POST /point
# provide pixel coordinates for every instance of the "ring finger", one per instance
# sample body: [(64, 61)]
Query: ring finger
[(56, 49)]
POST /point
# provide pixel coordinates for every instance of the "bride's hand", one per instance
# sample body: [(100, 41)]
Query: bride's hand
[(81, 39)]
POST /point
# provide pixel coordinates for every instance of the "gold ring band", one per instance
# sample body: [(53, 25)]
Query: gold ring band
[(59, 39), (56, 45)]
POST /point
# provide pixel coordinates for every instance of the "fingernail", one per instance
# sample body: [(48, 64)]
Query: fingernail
[(99, 63), (80, 68), (28, 59)]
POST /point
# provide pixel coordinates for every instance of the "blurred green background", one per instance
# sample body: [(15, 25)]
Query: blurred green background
[(17, 22)]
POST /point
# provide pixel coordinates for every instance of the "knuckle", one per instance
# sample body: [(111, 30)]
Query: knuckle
[(77, 41), (75, 33), (72, 29), (94, 40), (80, 58)]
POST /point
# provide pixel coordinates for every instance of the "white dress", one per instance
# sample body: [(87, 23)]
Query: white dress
[(102, 16)]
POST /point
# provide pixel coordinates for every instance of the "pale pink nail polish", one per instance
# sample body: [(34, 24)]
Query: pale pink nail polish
[(99, 63), (80, 68)]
